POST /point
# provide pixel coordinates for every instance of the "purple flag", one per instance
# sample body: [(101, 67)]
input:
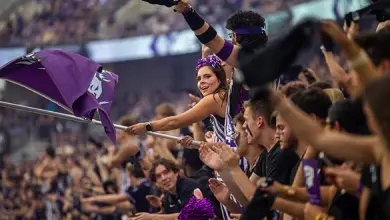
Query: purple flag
[(72, 81), (310, 170)]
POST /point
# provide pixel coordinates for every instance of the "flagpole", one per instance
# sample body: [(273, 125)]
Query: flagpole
[(81, 120)]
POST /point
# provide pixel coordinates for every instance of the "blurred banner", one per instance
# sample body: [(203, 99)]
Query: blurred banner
[(185, 42)]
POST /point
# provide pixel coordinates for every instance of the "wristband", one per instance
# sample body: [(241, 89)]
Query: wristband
[(226, 50), (207, 36), (149, 127), (194, 21)]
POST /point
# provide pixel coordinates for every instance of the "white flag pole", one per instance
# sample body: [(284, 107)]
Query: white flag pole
[(81, 120)]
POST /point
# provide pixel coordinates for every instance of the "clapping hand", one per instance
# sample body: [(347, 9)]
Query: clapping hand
[(154, 201), (220, 190), (228, 156), (194, 100), (209, 157)]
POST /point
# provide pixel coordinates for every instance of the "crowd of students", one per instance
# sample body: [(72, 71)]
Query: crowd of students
[(254, 144)]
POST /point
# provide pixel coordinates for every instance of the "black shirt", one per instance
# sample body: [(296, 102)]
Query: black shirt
[(294, 171), (137, 196), (279, 164), (260, 168), (366, 176), (171, 204), (344, 206), (185, 188), (321, 175), (202, 176), (379, 200)]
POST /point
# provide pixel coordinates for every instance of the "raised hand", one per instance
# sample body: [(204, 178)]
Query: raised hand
[(198, 194), (209, 137), (353, 30), (334, 31), (154, 201), (382, 25), (228, 156), (182, 6), (206, 51), (194, 100), (220, 190), (210, 157)]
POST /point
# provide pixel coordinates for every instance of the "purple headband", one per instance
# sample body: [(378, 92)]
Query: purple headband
[(249, 30), (211, 60)]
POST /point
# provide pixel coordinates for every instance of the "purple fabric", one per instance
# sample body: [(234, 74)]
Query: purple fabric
[(74, 82), (226, 50), (197, 210), (243, 97), (310, 170), (211, 60), (360, 188), (17, 73), (249, 30)]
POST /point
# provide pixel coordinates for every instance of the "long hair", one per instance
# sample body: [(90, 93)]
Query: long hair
[(223, 87)]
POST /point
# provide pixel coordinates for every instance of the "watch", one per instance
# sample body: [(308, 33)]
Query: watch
[(149, 127)]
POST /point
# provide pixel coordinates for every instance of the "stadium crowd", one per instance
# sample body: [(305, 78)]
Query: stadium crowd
[(43, 22), (320, 114)]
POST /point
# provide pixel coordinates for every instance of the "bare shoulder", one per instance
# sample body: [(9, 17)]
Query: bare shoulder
[(217, 98), (216, 102)]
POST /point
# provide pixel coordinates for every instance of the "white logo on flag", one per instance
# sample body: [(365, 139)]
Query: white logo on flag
[(96, 86), (309, 176)]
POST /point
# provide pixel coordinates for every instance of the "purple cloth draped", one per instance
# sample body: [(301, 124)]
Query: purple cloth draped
[(72, 81)]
